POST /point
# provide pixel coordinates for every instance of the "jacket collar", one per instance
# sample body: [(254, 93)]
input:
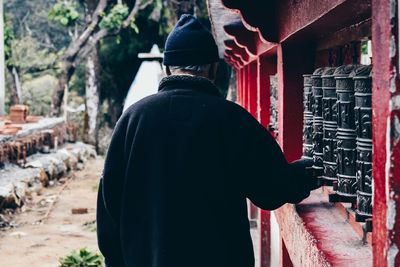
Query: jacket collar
[(188, 82)]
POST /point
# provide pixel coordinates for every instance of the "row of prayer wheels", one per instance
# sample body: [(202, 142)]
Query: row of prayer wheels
[(337, 132)]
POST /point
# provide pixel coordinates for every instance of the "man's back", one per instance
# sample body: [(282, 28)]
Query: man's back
[(180, 166)]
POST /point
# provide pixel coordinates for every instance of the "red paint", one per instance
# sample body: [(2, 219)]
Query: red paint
[(285, 257), (254, 14), (253, 88), (338, 243), (265, 237), (347, 214), (245, 88), (266, 68), (242, 36), (296, 26), (237, 50), (383, 72), (265, 49), (238, 86), (239, 61), (307, 17), (242, 86), (291, 66), (299, 242)]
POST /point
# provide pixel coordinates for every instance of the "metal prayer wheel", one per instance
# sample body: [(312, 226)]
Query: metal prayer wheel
[(308, 118), (346, 161), (363, 120), (308, 136), (308, 102), (317, 138), (364, 179), (329, 115), (363, 101), (346, 187)]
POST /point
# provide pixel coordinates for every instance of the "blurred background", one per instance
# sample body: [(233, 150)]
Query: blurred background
[(78, 58)]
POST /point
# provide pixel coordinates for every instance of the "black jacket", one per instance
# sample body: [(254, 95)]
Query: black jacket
[(180, 166)]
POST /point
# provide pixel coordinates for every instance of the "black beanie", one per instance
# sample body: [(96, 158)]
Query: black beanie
[(190, 43)]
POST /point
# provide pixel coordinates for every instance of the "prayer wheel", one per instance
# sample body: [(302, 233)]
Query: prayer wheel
[(346, 188), (363, 121), (317, 137), (308, 118), (329, 115)]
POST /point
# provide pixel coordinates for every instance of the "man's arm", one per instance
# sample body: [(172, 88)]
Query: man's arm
[(108, 201), (269, 180)]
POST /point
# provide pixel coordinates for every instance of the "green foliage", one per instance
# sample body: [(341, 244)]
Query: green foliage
[(31, 18), (31, 58), (83, 258), (8, 39), (114, 19), (37, 94), (65, 13), (364, 48)]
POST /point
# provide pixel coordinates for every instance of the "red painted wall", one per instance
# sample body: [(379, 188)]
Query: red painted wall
[(296, 56)]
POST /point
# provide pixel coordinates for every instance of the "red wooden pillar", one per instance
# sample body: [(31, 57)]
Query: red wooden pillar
[(386, 133), (246, 87), (243, 87), (239, 86), (285, 260), (253, 88), (265, 68), (291, 65), (265, 237), (250, 104)]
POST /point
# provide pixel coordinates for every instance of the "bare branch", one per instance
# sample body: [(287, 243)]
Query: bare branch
[(135, 10), (145, 4), (75, 46), (103, 33), (92, 42)]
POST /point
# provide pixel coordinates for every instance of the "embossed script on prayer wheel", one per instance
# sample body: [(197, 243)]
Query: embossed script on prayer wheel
[(363, 102), (363, 121), (308, 118), (329, 115), (346, 134), (318, 152)]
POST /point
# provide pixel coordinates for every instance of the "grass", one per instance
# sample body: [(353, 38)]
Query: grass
[(82, 258)]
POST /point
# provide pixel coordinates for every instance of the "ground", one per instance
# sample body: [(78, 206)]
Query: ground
[(34, 244), (31, 243)]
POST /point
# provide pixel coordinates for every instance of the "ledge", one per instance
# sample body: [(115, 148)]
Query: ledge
[(316, 233)]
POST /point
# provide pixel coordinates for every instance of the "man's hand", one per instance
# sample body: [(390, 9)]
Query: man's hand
[(305, 165)]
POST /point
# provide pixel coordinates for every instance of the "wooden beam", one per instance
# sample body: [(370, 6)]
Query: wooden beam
[(346, 35), (305, 19)]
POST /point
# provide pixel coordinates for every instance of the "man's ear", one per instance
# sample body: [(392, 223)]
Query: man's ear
[(167, 70), (213, 71)]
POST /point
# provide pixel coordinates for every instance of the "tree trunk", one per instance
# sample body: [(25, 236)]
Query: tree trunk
[(16, 92), (2, 60), (92, 97), (85, 43), (66, 73)]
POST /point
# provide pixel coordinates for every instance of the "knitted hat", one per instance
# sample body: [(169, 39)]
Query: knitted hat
[(190, 43)]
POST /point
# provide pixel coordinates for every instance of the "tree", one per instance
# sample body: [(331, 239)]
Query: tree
[(12, 67), (106, 20), (2, 76)]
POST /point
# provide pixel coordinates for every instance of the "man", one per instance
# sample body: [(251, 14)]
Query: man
[(181, 164)]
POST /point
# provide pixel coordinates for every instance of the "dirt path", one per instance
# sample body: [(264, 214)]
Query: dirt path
[(40, 245)]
